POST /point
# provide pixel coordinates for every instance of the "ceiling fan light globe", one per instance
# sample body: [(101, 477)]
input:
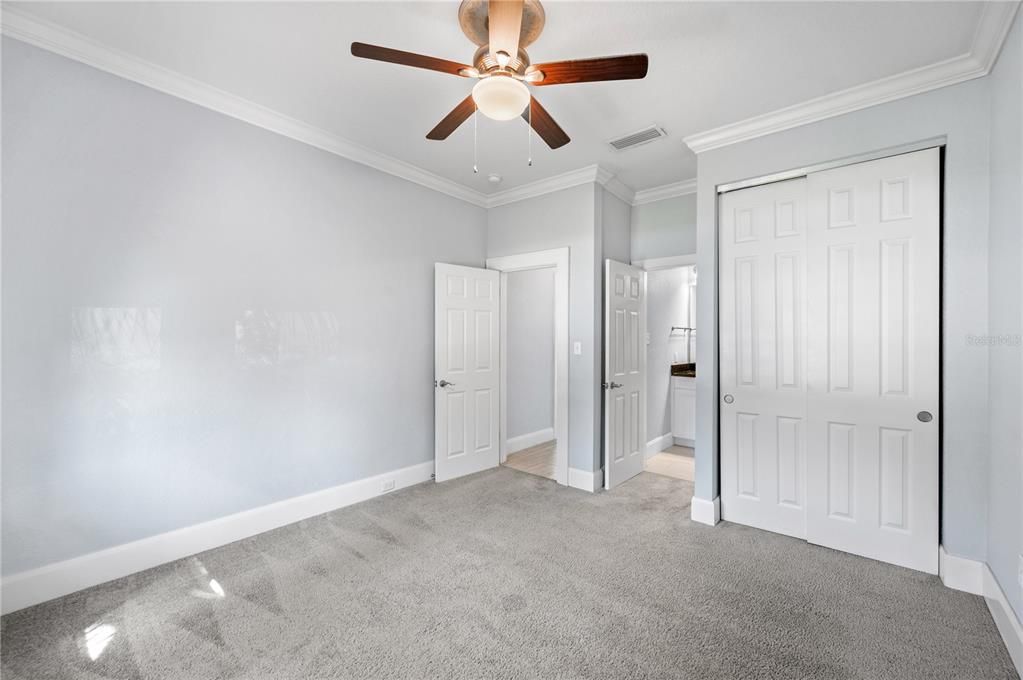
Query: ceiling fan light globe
[(500, 97)]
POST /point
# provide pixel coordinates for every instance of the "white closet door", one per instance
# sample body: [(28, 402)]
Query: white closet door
[(762, 356), (467, 305), (624, 372), (873, 304)]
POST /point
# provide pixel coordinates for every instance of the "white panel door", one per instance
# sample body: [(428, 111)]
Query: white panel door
[(624, 371), (467, 370), (873, 305), (763, 356)]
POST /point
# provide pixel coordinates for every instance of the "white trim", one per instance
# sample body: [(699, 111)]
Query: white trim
[(524, 441), (704, 511), (1006, 621), (655, 263), (682, 441), (54, 38), (993, 26), (665, 192), (591, 174), (585, 480), (960, 573), (557, 258), (61, 578), (657, 444)]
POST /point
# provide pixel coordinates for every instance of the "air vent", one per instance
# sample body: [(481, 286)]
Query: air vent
[(644, 136)]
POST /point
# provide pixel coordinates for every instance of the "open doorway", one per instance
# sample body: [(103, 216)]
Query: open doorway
[(530, 441), (534, 362), (671, 367)]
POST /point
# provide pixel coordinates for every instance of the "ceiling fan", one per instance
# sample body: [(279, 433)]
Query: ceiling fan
[(503, 29)]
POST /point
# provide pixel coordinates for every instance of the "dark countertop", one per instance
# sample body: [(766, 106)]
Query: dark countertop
[(684, 370)]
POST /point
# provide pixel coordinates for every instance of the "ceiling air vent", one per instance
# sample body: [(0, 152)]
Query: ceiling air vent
[(644, 136)]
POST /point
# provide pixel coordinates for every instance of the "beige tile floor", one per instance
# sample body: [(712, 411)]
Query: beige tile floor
[(675, 461), (536, 460)]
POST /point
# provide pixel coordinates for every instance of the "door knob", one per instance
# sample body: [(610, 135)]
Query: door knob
[(612, 385), (924, 416), (444, 383), (729, 399)]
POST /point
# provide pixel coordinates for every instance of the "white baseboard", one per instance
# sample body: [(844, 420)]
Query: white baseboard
[(974, 576), (706, 512), (960, 573), (61, 578), (1008, 624), (524, 441), (679, 441), (657, 444), (585, 480)]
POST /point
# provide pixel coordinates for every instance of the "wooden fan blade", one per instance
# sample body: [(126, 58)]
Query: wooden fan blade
[(544, 125), (378, 53), (451, 121), (626, 67), (505, 20)]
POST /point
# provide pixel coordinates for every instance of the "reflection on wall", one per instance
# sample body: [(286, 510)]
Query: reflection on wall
[(126, 338), (264, 338)]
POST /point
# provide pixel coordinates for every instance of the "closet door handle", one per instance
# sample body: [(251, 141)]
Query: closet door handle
[(924, 416), (729, 399)]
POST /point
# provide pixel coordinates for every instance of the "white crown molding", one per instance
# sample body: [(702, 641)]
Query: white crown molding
[(566, 180), (995, 21), (49, 36), (666, 191)]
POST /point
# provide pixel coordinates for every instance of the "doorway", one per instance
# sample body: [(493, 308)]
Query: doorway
[(534, 362), (671, 366)]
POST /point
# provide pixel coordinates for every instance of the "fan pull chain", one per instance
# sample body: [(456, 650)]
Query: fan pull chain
[(475, 115), (529, 134)]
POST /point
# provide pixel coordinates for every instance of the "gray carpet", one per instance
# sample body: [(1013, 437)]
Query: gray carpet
[(506, 575)]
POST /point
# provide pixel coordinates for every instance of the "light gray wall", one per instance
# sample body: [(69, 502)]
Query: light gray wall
[(565, 218), (1005, 509), (200, 316), (664, 228), (667, 293), (962, 113), (530, 337), (616, 231)]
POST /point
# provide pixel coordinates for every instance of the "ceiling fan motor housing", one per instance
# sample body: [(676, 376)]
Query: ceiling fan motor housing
[(473, 18)]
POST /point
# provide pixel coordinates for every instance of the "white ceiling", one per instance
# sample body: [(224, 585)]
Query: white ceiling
[(710, 64)]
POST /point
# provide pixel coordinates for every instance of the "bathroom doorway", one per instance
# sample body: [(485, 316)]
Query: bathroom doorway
[(671, 366)]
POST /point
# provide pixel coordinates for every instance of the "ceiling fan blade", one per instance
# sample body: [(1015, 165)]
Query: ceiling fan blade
[(626, 67), (544, 125), (378, 53), (451, 121), (505, 20)]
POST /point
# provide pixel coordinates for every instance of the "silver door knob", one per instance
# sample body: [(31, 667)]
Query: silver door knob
[(444, 383), (612, 385), (924, 416), (729, 399)]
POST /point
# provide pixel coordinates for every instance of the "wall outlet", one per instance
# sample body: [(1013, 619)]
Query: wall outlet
[(387, 486)]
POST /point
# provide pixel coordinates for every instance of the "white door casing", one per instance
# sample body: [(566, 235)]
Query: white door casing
[(762, 356), (873, 364), (466, 370), (624, 371)]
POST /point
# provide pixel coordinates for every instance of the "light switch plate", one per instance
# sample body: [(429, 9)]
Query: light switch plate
[(577, 348), (1019, 576)]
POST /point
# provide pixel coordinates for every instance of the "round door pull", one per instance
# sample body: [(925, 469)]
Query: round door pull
[(924, 416), (729, 399)]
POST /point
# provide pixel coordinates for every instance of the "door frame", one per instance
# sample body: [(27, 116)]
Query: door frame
[(556, 258)]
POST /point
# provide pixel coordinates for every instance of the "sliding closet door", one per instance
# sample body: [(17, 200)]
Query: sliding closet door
[(762, 354), (872, 408)]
